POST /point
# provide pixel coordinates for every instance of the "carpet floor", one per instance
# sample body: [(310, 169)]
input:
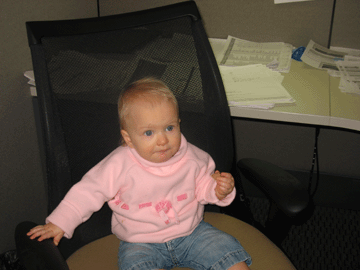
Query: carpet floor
[(330, 239)]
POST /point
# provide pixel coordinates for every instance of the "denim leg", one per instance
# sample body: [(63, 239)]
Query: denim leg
[(209, 248)]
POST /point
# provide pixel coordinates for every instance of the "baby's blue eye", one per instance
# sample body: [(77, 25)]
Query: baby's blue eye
[(170, 128), (148, 133)]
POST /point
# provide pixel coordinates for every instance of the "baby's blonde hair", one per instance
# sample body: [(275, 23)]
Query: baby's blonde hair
[(148, 89)]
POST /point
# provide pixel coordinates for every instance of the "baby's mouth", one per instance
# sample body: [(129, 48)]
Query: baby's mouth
[(163, 151)]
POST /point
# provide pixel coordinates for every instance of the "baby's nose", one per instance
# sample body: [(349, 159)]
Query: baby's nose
[(162, 139)]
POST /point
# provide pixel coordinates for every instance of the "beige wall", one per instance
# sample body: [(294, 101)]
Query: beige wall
[(258, 20), (346, 29), (22, 193)]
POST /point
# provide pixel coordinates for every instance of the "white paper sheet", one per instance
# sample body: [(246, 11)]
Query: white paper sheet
[(217, 45), (238, 52), (254, 86), (318, 56), (350, 76)]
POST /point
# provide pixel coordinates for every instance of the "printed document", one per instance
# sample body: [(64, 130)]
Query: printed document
[(238, 52), (318, 56), (254, 86), (350, 76)]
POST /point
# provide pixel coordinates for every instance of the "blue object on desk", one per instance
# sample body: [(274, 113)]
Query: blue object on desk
[(297, 53)]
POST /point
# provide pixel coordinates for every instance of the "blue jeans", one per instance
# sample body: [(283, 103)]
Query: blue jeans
[(206, 248)]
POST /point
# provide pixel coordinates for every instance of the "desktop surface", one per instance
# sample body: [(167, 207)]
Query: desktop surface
[(345, 107), (309, 87)]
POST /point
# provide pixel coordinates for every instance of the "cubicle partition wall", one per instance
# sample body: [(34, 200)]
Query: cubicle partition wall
[(256, 20), (346, 26), (262, 21)]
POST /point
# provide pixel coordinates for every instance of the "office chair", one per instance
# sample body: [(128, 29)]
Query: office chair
[(80, 67)]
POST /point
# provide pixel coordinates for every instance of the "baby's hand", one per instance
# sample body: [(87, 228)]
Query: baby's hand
[(46, 231), (225, 184)]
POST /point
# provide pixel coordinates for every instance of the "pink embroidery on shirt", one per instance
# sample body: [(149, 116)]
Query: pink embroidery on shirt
[(142, 205), (116, 199), (125, 206), (163, 208), (117, 202), (182, 197)]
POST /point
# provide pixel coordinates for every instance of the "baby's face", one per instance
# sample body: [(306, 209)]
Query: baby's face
[(153, 130)]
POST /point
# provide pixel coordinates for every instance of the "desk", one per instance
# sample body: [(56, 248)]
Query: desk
[(319, 101), (344, 108)]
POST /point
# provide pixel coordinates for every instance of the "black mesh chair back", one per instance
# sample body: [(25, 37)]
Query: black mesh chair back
[(81, 67)]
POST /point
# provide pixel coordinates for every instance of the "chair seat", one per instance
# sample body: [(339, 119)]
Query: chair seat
[(102, 253)]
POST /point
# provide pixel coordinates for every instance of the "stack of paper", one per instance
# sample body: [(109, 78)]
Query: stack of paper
[(254, 86), (249, 72), (30, 75), (350, 75), (239, 52), (320, 57)]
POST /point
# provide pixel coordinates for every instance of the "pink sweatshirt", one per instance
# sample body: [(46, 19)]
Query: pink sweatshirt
[(151, 202)]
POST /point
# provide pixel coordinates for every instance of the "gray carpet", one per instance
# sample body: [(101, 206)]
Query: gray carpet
[(330, 239)]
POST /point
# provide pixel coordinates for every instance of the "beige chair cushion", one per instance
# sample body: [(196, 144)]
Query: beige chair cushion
[(102, 254)]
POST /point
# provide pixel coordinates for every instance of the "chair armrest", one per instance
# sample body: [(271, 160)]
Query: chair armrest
[(36, 255), (283, 189)]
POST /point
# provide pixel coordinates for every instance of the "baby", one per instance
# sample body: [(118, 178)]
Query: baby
[(156, 184)]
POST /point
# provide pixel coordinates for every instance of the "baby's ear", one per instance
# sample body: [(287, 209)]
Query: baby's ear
[(126, 138)]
